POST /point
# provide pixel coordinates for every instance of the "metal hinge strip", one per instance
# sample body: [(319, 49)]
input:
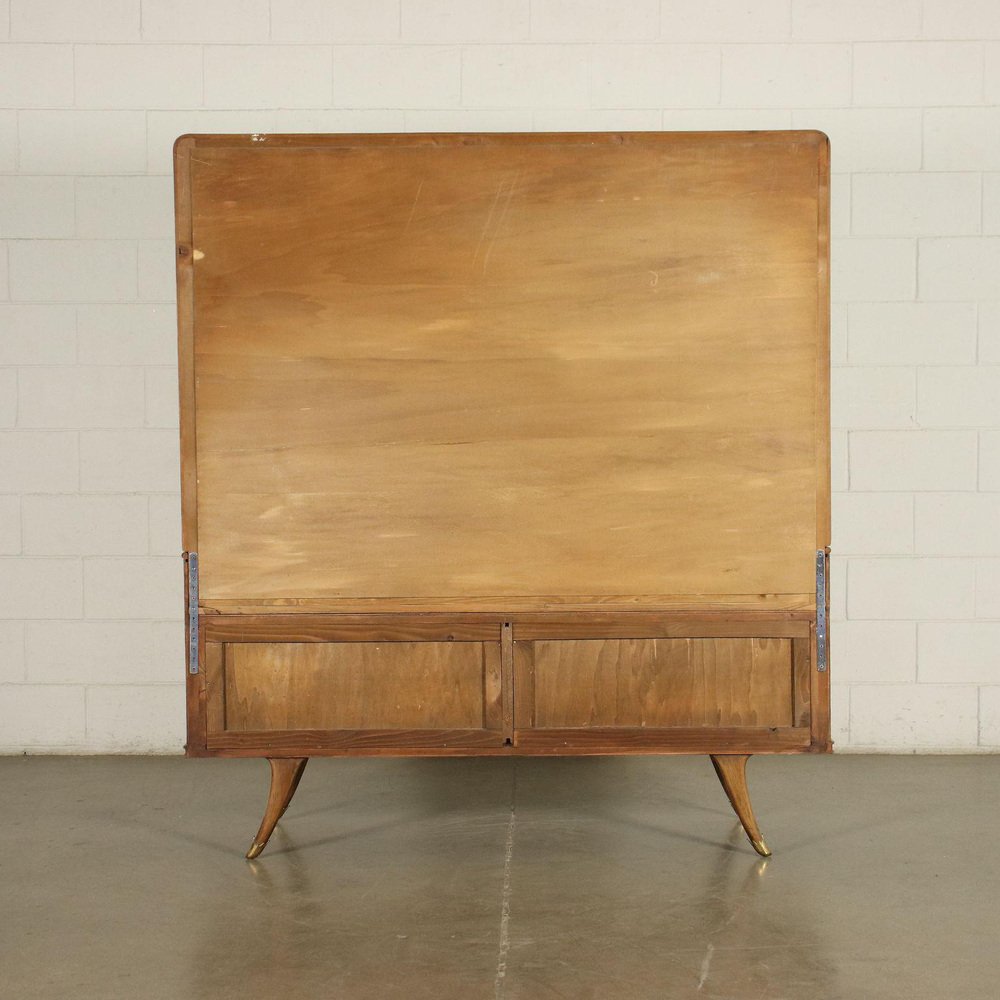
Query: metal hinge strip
[(192, 561), (822, 564)]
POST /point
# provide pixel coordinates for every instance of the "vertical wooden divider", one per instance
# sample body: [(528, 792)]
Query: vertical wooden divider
[(507, 680)]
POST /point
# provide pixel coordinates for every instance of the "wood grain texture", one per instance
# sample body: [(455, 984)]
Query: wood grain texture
[(356, 742), (702, 739), (344, 628), (435, 384), (308, 627), (775, 605), (642, 683), (528, 743), (529, 367), (801, 682), (695, 626), (355, 686)]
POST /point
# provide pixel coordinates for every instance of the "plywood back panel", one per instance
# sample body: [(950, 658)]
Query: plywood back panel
[(507, 366)]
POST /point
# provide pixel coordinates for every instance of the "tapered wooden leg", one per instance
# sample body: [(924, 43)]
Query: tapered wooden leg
[(285, 775), (732, 772)]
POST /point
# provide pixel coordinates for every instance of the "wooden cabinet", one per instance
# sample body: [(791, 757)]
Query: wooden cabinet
[(505, 444)]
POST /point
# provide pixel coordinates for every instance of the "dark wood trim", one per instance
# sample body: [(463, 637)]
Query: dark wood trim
[(312, 741), (728, 626), (445, 627), (707, 739), (299, 743), (356, 628), (579, 606)]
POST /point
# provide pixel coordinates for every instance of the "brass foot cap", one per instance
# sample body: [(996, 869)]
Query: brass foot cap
[(761, 848), (255, 849)]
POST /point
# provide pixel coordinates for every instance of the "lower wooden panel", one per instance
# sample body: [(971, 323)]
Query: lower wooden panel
[(640, 683), (385, 685), (353, 687)]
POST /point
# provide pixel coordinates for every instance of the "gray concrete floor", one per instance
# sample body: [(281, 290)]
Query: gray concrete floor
[(527, 880)]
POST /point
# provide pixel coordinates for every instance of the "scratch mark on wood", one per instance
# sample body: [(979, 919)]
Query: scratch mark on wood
[(489, 219), (413, 208), (501, 220)]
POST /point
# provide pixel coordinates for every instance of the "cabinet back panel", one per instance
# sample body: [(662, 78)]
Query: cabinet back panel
[(541, 365), (657, 683), (359, 686)]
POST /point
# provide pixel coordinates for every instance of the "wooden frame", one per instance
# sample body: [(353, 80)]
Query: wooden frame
[(307, 269)]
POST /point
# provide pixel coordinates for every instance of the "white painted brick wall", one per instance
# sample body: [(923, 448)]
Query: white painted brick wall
[(72, 270), (647, 76), (12, 653), (422, 76), (84, 525), (126, 334), (960, 269), (198, 21), (912, 460), (36, 207), (8, 141), (786, 76), (135, 460), (267, 76), (103, 652), (81, 142), (474, 20), (922, 73), (917, 204), (10, 536), (347, 20), (139, 76), (989, 460), (8, 397), (855, 20), (912, 333), (36, 76), (958, 652), (92, 95), (81, 397), (144, 588), (82, 21)]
